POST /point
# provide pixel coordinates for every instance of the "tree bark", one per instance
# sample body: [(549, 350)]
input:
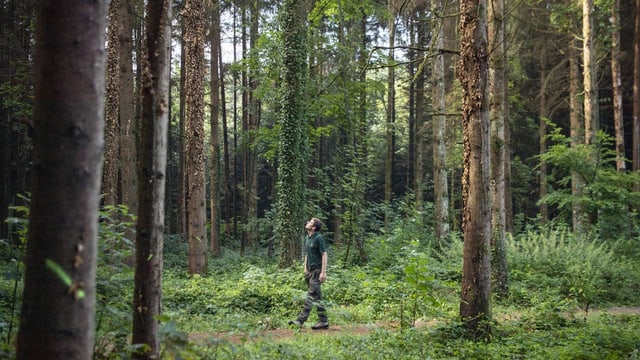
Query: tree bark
[(636, 94), (499, 153), (589, 67), (152, 165), (194, 22), (576, 133), (57, 317), (391, 115), (475, 305), (216, 249), (542, 135), (112, 106), (127, 114), (440, 184), (616, 79)]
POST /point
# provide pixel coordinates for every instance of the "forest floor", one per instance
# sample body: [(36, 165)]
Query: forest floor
[(363, 329)]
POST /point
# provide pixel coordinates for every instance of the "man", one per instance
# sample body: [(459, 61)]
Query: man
[(315, 273)]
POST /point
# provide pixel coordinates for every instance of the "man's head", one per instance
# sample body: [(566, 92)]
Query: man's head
[(314, 224)]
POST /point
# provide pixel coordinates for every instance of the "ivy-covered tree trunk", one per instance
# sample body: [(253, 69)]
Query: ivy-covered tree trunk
[(475, 304), (194, 21), (57, 316), (152, 164), (292, 144)]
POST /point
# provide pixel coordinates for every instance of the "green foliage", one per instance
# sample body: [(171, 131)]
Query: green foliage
[(114, 282), (607, 194), (560, 266)]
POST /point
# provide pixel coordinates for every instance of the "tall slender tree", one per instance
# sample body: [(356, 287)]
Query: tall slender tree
[(194, 22), (440, 185), (576, 133), (475, 304), (214, 183), (616, 79), (590, 79), (57, 316), (147, 294), (128, 118), (636, 93), (391, 113), (111, 121), (499, 150)]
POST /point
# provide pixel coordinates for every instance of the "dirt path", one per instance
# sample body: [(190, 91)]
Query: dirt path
[(361, 329)]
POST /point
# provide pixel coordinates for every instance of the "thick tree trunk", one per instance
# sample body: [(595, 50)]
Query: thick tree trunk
[(475, 305), (194, 22), (57, 318), (152, 165)]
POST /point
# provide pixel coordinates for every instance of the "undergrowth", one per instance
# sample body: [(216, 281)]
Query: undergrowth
[(555, 282)]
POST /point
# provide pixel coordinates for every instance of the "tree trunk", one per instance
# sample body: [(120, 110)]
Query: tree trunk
[(194, 22), (292, 144), (151, 179), (420, 114), (440, 185), (636, 94), (391, 114), (576, 133), (475, 305), (57, 318), (128, 123), (215, 116), (111, 106), (616, 79), (542, 134), (499, 158), (591, 122)]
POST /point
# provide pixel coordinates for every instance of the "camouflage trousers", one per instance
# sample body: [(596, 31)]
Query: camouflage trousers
[(314, 297)]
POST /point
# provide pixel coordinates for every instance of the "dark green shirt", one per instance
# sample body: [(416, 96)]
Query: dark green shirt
[(314, 246)]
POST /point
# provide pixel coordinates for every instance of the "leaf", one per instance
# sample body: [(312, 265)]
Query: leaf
[(59, 271)]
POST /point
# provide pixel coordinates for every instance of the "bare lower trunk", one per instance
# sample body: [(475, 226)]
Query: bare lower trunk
[(57, 316)]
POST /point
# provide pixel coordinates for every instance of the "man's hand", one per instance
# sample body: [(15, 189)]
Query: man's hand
[(322, 277)]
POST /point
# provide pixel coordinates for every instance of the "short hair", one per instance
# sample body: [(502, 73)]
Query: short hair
[(317, 224)]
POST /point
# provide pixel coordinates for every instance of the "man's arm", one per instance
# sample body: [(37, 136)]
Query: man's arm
[(323, 272), (305, 264)]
